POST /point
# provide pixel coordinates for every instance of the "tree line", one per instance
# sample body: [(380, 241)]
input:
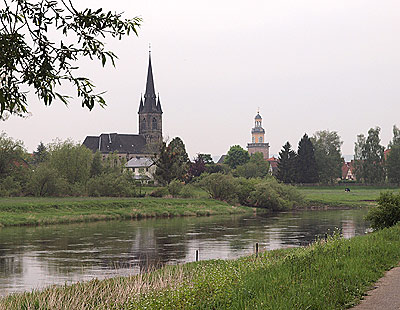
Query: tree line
[(319, 160)]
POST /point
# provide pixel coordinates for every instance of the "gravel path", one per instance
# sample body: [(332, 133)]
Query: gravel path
[(385, 295)]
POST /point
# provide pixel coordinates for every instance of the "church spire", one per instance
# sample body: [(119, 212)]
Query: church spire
[(150, 93)]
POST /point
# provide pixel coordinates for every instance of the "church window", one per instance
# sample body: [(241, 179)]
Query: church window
[(254, 139), (260, 140), (154, 123), (143, 125)]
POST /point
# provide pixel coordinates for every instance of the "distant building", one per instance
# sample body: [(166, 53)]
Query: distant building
[(142, 168), (273, 165), (145, 143), (258, 143), (348, 171)]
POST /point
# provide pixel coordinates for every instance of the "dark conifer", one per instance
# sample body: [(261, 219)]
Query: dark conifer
[(287, 164), (306, 166)]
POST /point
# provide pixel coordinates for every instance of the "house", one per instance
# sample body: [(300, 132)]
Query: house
[(348, 171), (143, 168), (273, 165)]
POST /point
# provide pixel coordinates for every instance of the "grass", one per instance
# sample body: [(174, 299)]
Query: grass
[(359, 196), (331, 274), (40, 211)]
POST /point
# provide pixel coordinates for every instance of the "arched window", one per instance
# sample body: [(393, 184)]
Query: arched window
[(154, 123), (260, 140), (143, 124), (254, 139)]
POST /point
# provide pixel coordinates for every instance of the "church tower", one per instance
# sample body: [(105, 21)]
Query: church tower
[(258, 143), (150, 112)]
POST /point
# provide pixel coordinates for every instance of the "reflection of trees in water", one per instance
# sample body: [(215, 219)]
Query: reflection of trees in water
[(63, 249)]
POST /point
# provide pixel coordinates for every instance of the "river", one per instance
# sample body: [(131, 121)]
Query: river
[(35, 257)]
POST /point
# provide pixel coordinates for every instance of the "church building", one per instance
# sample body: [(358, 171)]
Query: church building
[(258, 143), (144, 144)]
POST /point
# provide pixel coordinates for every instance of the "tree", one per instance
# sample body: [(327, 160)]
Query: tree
[(393, 157), (206, 158), (71, 161), (30, 58), (369, 157), (96, 167), (257, 167), (287, 164), (236, 156), (306, 165), (12, 153), (172, 162), (328, 156), (41, 154), (196, 168)]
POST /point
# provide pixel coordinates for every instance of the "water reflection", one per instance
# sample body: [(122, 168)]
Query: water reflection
[(33, 257)]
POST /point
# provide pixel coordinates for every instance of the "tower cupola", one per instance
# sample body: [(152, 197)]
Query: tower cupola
[(258, 143)]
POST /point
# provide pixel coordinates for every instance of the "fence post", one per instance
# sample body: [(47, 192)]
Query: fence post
[(197, 255), (256, 249)]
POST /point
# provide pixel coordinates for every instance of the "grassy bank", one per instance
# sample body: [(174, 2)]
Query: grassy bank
[(325, 275), (40, 211), (335, 196)]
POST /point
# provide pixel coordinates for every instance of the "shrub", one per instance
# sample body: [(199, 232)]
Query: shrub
[(159, 192), (10, 187), (175, 188), (219, 186), (111, 184), (188, 191), (387, 213), (45, 181)]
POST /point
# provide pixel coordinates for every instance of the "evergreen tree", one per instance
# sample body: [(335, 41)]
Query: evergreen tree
[(172, 162), (41, 154), (369, 157), (393, 158), (236, 156), (306, 165), (287, 164), (328, 155)]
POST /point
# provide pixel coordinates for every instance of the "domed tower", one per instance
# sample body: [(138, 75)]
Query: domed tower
[(258, 143), (150, 112)]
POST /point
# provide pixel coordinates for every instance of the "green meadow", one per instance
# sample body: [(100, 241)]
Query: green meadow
[(335, 196), (41, 211)]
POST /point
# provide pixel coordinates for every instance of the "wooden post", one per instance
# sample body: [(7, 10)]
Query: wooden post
[(326, 236), (256, 249), (197, 255)]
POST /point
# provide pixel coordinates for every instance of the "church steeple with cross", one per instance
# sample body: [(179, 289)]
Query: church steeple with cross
[(150, 111)]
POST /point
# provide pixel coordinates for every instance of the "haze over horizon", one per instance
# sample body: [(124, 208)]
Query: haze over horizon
[(307, 65)]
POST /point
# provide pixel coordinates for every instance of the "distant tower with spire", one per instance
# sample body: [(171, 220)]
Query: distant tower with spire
[(258, 143), (150, 112)]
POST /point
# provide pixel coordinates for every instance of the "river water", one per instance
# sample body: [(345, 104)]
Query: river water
[(35, 257)]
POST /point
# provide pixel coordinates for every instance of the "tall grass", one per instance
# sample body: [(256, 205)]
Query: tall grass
[(332, 274)]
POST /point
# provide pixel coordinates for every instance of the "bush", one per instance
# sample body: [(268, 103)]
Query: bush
[(159, 192), (10, 187), (219, 186), (261, 193), (387, 213), (45, 181), (175, 188), (111, 184), (188, 191)]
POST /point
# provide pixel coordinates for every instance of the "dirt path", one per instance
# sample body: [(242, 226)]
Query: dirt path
[(385, 295)]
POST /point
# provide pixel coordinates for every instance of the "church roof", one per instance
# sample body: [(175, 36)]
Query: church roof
[(114, 142), (258, 116), (150, 103)]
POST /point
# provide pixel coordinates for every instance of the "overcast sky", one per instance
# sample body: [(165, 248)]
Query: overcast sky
[(308, 65)]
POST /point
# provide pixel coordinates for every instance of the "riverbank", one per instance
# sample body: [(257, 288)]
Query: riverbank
[(20, 211), (326, 275), (336, 196)]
